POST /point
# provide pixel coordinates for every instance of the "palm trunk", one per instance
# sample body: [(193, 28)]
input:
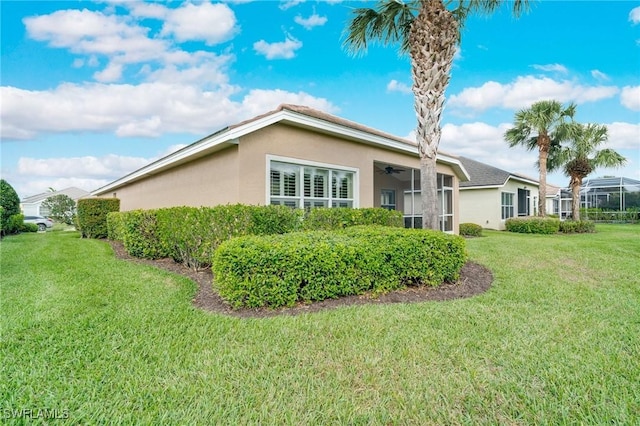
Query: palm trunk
[(544, 144), (429, 193), (575, 198), (433, 39)]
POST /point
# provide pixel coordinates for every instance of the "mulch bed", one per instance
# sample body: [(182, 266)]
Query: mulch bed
[(474, 279)]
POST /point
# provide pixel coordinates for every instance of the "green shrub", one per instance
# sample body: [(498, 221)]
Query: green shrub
[(115, 226), (577, 227), (92, 213), (29, 227), (266, 220), (14, 224), (9, 206), (533, 225), (280, 270), (470, 230), (191, 234), (139, 231), (339, 218)]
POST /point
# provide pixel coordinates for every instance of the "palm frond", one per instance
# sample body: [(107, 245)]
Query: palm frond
[(389, 23)]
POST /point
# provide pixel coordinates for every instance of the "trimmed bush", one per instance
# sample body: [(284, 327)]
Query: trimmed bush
[(29, 227), (92, 215), (191, 234), (9, 206), (533, 225), (281, 270), (139, 231), (339, 218), (470, 230), (115, 226), (14, 224), (577, 227)]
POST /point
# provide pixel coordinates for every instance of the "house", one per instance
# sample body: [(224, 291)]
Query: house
[(553, 199), (32, 206), (610, 193), (294, 156), (493, 195)]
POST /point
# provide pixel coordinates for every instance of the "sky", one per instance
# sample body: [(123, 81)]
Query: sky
[(93, 90)]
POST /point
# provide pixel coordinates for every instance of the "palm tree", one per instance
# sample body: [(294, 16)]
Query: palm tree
[(429, 31), (581, 157), (542, 126)]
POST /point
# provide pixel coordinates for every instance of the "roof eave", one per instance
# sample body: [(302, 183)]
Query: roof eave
[(230, 136)]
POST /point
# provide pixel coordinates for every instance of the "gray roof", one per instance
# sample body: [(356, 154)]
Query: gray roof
[(72, 192), (483, 175)]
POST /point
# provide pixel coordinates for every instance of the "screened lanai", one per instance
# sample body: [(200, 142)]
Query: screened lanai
[(613, 194)]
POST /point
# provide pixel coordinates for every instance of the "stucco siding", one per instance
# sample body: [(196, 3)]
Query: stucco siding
[(482, 207), (206, 181), (240, 174)]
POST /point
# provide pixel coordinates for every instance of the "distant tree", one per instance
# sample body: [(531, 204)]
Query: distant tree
[(61, 208), (581, 157), (541, 127), (9, 204), (429, 31)]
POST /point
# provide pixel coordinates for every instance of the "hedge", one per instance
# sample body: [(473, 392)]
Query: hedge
[(190, 235), (339, 218), (470, 230), (577, 226), (281, 270), (533, 225), (92, 215)]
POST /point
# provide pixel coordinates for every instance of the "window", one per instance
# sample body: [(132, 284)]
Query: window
[(412, 203), (523, 202), (507, 205), (388, 199), (297, 185), (445, 202)]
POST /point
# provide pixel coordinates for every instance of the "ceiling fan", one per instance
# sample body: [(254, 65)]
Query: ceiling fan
[(390, 170)]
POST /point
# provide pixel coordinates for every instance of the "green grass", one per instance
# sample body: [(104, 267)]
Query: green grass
[(555, 341)]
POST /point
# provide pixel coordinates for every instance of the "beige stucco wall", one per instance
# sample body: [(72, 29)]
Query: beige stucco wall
[(484, 206), (207, 181), (239, 174)]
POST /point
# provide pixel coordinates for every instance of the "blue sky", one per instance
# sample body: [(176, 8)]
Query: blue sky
[(91, 91)]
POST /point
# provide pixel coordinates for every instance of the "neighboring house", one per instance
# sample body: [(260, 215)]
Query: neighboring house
[(493, 195), (611, 193), (32, 206), (294, 156), (553, 200)]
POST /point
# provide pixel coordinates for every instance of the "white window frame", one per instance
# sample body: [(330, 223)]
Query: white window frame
[(442, 215), (355, 200), (390, 193), (509, 206), (416, 216)]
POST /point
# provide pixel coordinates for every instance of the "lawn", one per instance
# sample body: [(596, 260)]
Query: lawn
[(92, 339)]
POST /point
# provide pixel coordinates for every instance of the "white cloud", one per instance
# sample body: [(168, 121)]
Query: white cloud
[(279, 50), (258, 101), (86, 167), (526, 90), (630, 97), (552, 68), (396, 86), (624, 136), (213, 23), (314, 20), (146, 10), (599, 75), (288, 4), (113, 72), (634, 15), (147, 109)]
